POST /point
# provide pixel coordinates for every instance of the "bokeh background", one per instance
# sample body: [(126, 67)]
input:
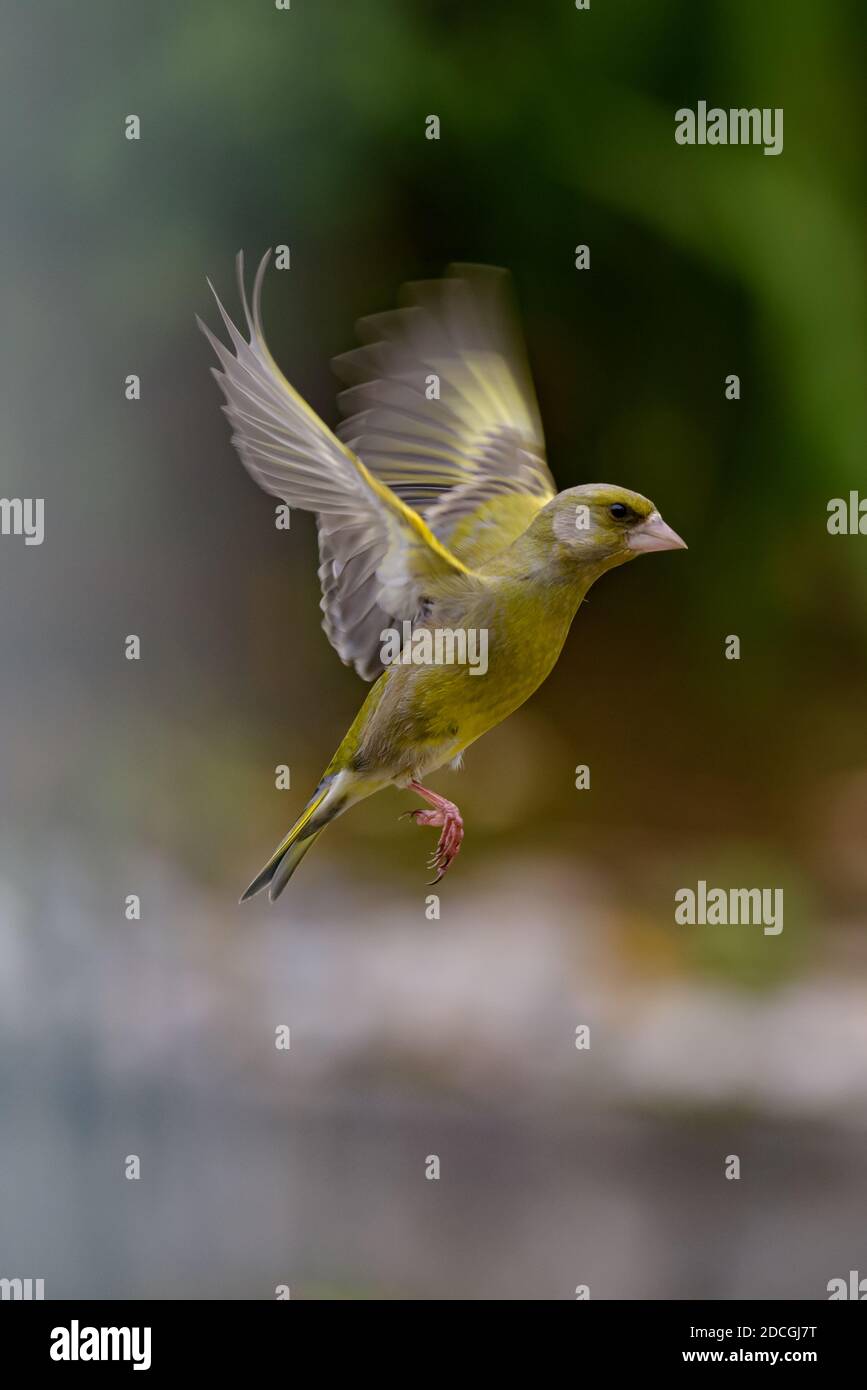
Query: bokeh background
[(412, 1037)]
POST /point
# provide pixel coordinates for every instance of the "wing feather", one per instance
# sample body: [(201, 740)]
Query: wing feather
[(379, 558), (441, 408)]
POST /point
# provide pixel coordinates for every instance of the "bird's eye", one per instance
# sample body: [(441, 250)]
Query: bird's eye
[(619, 510)]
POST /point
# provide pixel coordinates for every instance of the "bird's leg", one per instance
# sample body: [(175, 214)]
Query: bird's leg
[(445, 814)]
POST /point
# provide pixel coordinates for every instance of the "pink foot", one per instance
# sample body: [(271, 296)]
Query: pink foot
[(447, 816)]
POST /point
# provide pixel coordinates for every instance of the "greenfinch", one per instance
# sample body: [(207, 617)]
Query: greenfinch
[(451, 567)]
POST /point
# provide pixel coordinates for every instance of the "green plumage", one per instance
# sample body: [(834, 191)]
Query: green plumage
[(434, 510)]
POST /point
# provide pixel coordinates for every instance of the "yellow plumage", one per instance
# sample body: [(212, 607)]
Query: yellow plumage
[(436, 510)]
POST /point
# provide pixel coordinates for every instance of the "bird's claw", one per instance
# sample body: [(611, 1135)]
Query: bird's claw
[(446, 816)]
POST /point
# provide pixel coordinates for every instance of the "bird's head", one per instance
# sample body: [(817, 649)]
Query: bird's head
[(606, 526)]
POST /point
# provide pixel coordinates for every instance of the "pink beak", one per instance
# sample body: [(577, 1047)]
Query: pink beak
[(654, 534)]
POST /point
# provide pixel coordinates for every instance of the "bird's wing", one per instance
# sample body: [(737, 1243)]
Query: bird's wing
[(380, 560), (442, 409)]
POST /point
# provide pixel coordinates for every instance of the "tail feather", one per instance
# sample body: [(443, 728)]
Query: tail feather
[(289, 853), (289, 863)]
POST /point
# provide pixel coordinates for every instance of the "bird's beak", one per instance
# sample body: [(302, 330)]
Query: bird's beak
[(654, 534)]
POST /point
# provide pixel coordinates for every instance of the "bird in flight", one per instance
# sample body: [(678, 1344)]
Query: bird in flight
[(439, 521)]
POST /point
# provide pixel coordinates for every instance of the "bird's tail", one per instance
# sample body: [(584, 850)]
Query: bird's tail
[(289, 853)]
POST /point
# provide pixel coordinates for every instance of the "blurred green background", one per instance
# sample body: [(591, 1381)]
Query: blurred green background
[(412, 1037)]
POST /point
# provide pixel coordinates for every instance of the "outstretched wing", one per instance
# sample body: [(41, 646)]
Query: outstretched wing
[(442, 409), (380, 560)]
